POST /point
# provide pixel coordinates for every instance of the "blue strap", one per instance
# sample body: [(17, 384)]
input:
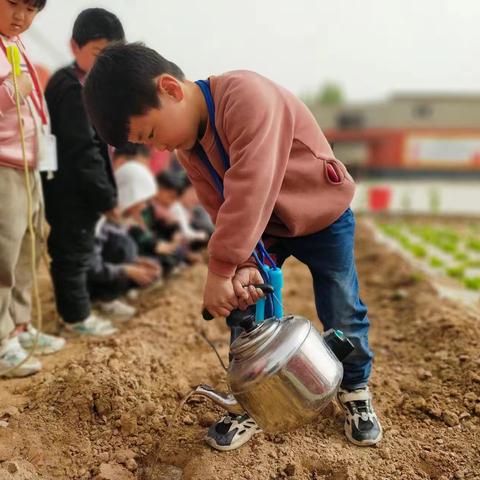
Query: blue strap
[(204, 158), (205, 88)]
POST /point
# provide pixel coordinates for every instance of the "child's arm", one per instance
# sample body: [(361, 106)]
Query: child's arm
[(259, 125)]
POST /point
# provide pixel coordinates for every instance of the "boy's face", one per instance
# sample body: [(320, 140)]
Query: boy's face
[(173, 125), (189, 197), (166, 196), (85, 56), (16, 16)]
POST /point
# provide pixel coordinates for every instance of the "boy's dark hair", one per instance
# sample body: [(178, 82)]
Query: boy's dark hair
[(121, 85), (38, 4), (171, 180), (96, 24), (132, 150)]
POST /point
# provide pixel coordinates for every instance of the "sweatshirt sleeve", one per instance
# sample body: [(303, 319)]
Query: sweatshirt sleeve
[(259, 127), (77, 136)]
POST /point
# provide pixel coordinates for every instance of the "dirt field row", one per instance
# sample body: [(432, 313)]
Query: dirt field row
[(102, 409)]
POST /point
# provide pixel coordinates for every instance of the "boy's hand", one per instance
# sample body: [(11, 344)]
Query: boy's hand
[(219, 297), (247, 295), (165, 248), (149, 264)]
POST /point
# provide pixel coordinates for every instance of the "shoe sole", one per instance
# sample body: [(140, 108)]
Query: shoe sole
[(43, 351), (74, 334), (225, 448), (17, 373), (369, 443), (121, 318)]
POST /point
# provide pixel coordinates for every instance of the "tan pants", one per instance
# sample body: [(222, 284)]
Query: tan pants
[(15, 247)]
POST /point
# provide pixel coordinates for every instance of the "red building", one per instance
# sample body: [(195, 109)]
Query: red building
[(407, 135)]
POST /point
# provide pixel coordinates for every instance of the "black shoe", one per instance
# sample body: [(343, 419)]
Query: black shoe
[(231, 432), (361, 422)]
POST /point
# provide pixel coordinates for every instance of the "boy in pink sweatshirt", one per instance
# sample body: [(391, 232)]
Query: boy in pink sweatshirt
[(263, 169), (17, 334)]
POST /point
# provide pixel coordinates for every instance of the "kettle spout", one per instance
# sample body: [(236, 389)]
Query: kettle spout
[(227, 402)]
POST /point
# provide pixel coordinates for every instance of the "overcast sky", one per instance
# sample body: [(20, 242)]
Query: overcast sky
[(370, 47)]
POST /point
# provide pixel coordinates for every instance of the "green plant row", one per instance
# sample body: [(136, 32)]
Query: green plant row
[(443, 238)]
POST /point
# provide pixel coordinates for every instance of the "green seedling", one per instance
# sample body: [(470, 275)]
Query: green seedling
[(461, 257), (473, 244), (456, 272), (418, 250), (436, 262), (473, 283)]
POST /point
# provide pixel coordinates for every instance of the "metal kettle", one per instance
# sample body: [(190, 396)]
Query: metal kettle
[(283, 372)]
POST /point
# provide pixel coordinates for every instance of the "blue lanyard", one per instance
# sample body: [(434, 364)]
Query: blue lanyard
[(271, 274)]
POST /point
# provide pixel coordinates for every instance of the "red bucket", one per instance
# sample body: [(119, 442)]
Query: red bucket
[(379, 198)]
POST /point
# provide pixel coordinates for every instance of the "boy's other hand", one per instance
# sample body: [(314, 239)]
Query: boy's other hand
[(219, 297), (150, 264), (165, 248), (141, 275), (243, 282)]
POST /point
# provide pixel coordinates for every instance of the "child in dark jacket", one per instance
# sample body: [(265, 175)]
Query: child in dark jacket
[(117, 268), (83, 188)]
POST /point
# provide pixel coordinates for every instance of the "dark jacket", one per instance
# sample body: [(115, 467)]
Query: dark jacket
[(84, 185), (113, 250)]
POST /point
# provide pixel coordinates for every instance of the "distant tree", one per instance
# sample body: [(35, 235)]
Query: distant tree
[(329, 94)]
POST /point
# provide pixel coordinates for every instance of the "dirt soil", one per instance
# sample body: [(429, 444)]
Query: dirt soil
[(102, 409)]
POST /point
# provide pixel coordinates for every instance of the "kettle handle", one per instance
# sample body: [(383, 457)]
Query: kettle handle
[(264, 287)]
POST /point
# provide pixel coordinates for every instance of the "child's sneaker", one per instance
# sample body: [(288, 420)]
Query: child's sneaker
[(118, 309), (133, 294), (231, 432), (93, 325), (11, 355), (361, 422), (46, 344)]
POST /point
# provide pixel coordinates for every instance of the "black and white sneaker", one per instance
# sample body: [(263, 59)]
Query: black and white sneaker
[(231, 432), (362, 426)]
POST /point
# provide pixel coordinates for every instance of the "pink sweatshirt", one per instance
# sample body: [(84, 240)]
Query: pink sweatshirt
[(10, 146), (278, 181)]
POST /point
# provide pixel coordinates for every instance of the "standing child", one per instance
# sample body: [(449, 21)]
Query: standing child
[(242, 134), (84, 187), (16, 332)]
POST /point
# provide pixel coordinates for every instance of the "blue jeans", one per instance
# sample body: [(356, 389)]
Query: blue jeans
[(329, 255)]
